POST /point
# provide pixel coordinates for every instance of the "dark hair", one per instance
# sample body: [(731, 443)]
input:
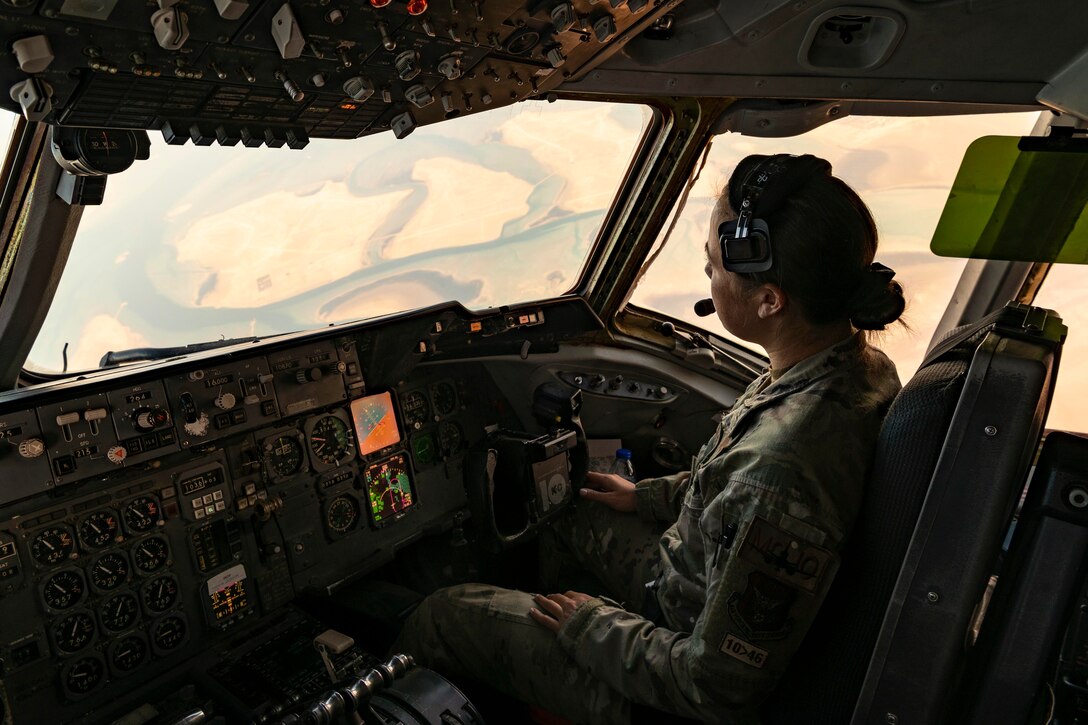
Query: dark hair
[(823, 240)]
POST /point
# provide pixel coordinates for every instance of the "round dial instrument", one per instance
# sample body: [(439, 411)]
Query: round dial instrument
[(98, 529), (168, 633), (331, 440), (83, 675), (444, 397), (450, 439), (120, 612), (127, 653), (415, 408), (342, 514), (52, 545), (284, 455), (141, 514), (109, 571), (160, 593), (150, 554), (64, 589), (74, 632)]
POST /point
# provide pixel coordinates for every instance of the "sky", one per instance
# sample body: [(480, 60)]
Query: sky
[(237, 242)]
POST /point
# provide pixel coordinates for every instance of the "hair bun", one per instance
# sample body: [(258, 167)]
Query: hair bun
[(878, 300)]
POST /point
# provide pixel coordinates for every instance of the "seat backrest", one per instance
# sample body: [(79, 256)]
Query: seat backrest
[(826, 675)]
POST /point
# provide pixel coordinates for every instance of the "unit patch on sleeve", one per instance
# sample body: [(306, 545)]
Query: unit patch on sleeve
[(739, 649), (762, 611), (785, 556)]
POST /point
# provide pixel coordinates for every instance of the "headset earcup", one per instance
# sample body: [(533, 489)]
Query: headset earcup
[(751, 254)]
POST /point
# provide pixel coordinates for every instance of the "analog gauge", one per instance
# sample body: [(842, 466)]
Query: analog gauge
[(52, 545), (64, 589), (98, 529), (415, 408), (141, 514), (284, 455), (127, 653), (160, 593), (331, 440), (423, 450), (168, 633), (74, 632), (342, 514), (150, 554), (450, 439), (119, 613), (109, 571), (444, 397), (83, 675)]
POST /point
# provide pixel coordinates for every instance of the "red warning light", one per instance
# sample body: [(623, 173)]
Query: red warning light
[(417, 7), (379, 3)]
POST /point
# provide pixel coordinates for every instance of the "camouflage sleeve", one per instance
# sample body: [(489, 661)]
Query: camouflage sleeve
[(768, 565), (659, 499)]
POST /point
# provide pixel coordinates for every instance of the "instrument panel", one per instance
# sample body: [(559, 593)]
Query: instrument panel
[(143, 520)]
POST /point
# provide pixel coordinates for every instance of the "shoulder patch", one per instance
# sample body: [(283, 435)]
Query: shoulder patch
[(747, 653), (785, 556), (762, 611)]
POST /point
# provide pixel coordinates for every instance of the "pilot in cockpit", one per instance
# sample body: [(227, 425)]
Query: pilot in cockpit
[(709, 579)]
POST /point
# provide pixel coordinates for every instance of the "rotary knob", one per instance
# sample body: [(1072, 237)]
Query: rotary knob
[(117, 454), (225, 401), (150, 419), (31, 447), (308, 375)]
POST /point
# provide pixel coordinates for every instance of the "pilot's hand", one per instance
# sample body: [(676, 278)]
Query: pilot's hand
[(555, 609), (613, 491)]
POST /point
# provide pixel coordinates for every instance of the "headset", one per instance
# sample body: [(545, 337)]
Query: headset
[(746, 241)]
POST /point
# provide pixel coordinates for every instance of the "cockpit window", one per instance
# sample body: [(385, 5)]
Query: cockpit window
[(199, 244), (902, 168)]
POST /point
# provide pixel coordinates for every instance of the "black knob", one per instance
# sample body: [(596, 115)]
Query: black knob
[(308, 375), (616, 382), (597, 381)]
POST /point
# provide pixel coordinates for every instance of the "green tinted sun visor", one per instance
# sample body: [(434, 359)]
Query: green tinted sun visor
[(1019, 199)]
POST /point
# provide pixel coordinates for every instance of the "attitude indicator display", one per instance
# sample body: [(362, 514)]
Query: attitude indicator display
[(389, 489), (375, 422)]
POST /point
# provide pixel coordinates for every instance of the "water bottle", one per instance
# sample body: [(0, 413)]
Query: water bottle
[(622, 466)]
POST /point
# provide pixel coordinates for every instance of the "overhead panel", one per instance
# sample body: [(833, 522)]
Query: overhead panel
[(276, 72)]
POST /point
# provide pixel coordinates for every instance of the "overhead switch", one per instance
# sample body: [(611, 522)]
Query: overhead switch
[(287, 33), (604, 28), (33, 54), (231, 9), (407, 65), (171, 28), (450, 66), (419, 95), (563, 17), (403, 124), (555, 56), (358, 88)]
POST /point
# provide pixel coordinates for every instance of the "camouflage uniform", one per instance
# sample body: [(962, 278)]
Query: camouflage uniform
[(759, 523)]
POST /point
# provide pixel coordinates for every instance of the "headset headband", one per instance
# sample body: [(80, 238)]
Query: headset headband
[(746, 242)]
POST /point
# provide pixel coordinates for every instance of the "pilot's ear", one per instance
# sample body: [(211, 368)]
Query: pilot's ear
[(770, 300)]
